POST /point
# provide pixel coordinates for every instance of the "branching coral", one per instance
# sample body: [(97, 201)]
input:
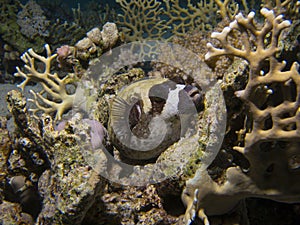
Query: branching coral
[(272, 129), (191, 17), (228, 10), (288, 7), (142, 19), (94, 13), (156, 20), (256, 57), (54, 98)]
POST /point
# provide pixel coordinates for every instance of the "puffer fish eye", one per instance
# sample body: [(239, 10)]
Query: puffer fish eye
[(196, 95)]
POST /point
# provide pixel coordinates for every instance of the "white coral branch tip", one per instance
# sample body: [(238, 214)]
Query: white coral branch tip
[(286, 23), (214, 34), (208, 54), (251, 15), (233, 24), (239, 16), (265, 12)]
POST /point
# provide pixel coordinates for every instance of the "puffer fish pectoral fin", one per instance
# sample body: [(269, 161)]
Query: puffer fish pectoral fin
[(120, 108), (119, 117)]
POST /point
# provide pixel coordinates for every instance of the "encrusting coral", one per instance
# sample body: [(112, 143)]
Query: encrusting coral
[(66, 183), (272, 127)]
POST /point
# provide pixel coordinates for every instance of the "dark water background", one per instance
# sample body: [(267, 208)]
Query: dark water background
[(112, 3)]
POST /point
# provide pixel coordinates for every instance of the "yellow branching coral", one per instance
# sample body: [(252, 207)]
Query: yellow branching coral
[(193, 16), (272, 103), (256, 54), (54, 98), (288, 7), (228, 10), (142, 19)]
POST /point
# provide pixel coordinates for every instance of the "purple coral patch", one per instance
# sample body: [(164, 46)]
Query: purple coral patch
[(98, 132)]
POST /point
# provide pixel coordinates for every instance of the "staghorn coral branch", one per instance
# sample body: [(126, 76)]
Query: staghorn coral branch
[(36, 101), (272, 126), (29, 59), (247, 27), (50, 91), (287, 7), (54, 97), (225, 10), (263, 51)]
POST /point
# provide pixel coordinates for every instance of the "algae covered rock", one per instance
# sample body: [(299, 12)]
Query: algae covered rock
[(66, 183)]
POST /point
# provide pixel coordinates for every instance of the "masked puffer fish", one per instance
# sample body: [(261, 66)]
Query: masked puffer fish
[(148, 116)]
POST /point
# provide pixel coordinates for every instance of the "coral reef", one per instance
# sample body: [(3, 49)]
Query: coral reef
[(84, 155), (179, 157), (57, 95), (162, 20), (130, 205), (5, 148), (71, 186), (32, 21), (10, 30), (93, 45), (11, 213), (26, 26), (288, 8), (272, 131), (93, 14), (33, 24), (96, 41), (66, 183), (196, 16)]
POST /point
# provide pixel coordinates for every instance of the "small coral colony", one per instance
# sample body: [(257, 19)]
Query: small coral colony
[(206, 131)]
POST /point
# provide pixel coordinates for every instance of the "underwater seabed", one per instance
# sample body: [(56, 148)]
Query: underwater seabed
[(150, 112)]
